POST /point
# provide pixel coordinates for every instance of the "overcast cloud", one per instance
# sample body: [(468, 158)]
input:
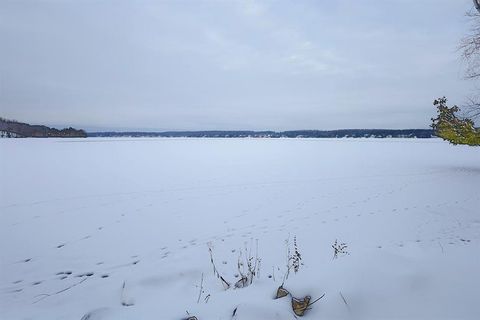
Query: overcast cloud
[(193, 65)]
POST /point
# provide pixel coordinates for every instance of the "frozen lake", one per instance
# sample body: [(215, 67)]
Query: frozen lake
[(79, 218)]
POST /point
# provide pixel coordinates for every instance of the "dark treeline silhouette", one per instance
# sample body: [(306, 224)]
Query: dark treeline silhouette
[(344, 133), (13, 128)]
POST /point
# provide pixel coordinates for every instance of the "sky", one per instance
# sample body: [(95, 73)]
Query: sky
[(230, 65)]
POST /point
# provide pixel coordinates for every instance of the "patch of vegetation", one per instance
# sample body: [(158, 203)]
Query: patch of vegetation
[(453, 129)]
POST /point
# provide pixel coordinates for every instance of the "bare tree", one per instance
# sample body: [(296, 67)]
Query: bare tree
[(470, 50), (470, 46)]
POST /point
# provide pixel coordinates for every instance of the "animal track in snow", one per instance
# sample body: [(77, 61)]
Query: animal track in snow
[(86, 274)]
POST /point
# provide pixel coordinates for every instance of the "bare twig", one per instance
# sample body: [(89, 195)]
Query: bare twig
[(201, 290), (441, 246), (323, 295), (225, 283), (345, 301)]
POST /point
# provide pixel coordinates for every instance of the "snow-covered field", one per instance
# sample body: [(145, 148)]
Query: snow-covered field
[(82, 218)]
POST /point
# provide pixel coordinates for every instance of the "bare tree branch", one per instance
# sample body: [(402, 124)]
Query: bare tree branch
[(476, 3), (470, 52), (471, 108)]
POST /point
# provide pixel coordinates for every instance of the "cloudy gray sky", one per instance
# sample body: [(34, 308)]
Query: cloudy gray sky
[(192, 65)]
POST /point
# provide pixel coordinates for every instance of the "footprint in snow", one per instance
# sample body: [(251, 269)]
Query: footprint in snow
[(87, 274), (96, 314)]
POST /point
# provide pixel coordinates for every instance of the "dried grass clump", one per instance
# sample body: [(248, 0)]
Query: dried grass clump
[(248, 268), (294, 260)]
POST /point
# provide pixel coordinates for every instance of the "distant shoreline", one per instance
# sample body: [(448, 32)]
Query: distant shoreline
[(342, 133), (16, 129)]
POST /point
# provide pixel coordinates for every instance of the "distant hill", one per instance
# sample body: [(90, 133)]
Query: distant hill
[(344, 133), (15, 129)]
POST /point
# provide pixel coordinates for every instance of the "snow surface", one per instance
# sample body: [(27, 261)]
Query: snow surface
[(82, 217)]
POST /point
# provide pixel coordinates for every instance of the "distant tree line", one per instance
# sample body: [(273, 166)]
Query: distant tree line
[(13, 128), (345, 133)]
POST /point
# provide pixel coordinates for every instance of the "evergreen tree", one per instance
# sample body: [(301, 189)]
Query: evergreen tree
[(453, 129)]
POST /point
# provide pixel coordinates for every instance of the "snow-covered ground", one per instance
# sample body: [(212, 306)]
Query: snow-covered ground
[(81, 218)]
